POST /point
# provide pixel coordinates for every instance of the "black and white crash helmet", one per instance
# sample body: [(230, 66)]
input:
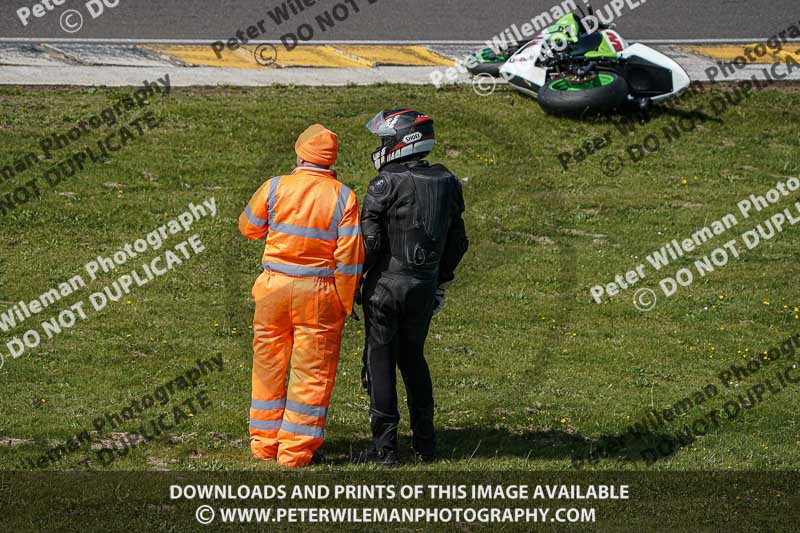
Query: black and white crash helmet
[(404, 133)]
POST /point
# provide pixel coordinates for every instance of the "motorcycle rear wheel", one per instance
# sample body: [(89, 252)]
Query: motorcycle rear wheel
[(602, 92)]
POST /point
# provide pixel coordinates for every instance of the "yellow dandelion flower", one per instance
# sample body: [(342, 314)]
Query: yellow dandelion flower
[(684, 181), (765, 302)]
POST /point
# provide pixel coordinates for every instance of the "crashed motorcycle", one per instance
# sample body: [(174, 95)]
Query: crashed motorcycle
[(580, 66)]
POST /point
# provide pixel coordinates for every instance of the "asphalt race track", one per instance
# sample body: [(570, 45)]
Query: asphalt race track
[(382, 20)]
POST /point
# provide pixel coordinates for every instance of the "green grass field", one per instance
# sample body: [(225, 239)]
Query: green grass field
[(527, 369)]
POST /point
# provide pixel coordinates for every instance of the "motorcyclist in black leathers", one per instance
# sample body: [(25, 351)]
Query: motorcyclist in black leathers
[(414, 237)]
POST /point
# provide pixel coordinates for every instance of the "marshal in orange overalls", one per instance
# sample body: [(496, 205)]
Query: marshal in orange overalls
[(312, 265)]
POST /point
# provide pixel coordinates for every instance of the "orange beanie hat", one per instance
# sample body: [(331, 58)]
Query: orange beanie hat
[(318, 145)]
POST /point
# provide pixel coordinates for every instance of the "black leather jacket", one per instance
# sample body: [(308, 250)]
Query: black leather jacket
[(411, 218)]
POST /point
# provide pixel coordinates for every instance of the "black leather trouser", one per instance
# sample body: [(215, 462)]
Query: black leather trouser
[(397, 310)]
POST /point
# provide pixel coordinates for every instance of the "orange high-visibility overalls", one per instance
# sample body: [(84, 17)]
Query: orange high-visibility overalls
[(312, 265)]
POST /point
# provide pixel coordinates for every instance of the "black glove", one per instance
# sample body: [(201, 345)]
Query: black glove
[(438, 297), (438, 301), (358, 292)]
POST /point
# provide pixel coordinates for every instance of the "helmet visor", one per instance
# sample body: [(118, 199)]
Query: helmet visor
[(380, 127)]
